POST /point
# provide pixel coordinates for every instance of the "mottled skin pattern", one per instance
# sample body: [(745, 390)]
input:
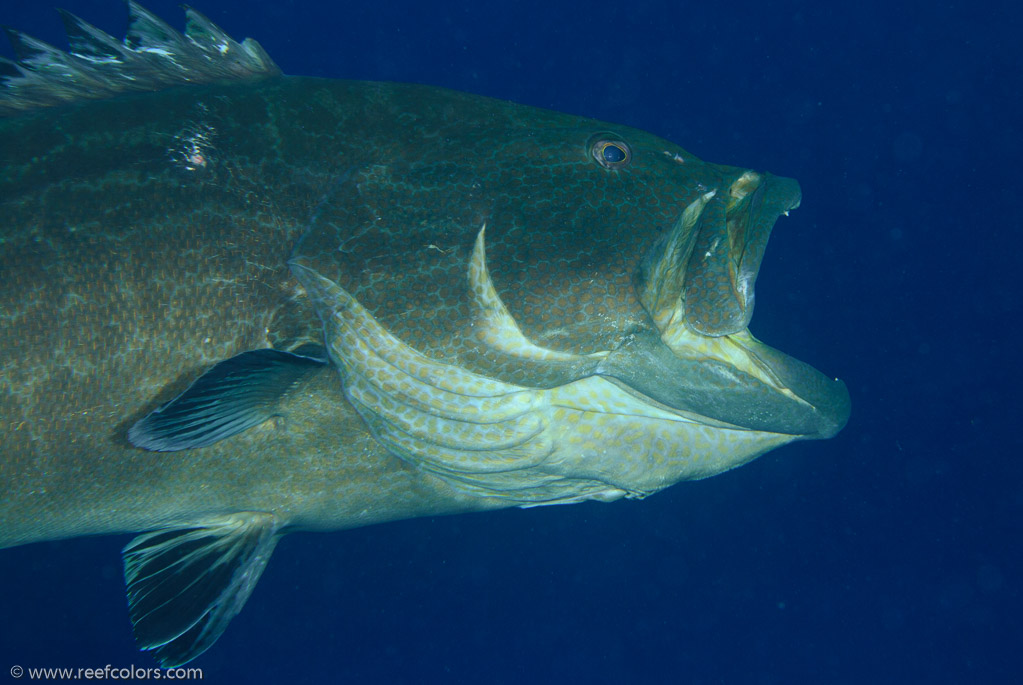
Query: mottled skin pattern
[(146, 238)]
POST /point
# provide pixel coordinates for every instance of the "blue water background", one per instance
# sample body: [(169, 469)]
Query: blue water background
[(890, 554)]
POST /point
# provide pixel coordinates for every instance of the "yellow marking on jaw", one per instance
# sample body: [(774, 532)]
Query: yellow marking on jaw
[(495, 326), (597, 394), (737, 350)]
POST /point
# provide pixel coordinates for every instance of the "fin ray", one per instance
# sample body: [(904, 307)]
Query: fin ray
[(231, 397), (152, 57), (185, 584)]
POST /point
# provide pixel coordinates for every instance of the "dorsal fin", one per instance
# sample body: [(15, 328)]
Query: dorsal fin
[(152, 57)]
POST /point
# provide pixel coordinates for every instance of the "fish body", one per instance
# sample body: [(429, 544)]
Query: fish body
[(236, 309)]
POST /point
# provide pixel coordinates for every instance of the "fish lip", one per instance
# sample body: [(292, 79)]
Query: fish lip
[(828, 402), (797, 400), (835, 420)]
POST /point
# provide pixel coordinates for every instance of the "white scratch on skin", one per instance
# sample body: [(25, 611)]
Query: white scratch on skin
[(713, 247)]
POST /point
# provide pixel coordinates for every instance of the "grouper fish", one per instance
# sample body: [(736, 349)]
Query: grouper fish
[(236, 304)]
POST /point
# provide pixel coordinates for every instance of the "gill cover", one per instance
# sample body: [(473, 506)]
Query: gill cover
[(482, 435)]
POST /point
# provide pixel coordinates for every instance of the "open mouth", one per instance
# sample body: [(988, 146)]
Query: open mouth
[(697, 284)]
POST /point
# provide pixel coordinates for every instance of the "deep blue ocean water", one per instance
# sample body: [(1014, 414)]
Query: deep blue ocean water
[(889, 554)]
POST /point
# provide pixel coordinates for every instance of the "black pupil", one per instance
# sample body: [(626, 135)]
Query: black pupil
[(613, 154)]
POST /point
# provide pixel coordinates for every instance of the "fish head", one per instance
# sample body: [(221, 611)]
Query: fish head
[(605, 272)]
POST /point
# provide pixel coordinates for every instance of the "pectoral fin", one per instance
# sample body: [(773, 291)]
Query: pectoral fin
[(234, 395), (185, 584)]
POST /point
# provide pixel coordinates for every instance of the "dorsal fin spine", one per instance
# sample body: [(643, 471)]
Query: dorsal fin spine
[(152, 57)]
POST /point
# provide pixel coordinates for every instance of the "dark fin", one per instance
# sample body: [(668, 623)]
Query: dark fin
[(234, 395), (152, 57), (185, 584)]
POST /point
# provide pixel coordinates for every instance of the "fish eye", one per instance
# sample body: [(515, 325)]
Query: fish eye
[(611, 153)]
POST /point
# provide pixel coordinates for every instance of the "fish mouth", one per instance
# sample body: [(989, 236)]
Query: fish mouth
[(697, 285), (705, 370)]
